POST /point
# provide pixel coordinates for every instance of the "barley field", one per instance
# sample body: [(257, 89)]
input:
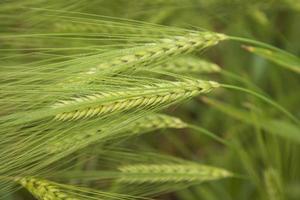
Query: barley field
[(149, 99)]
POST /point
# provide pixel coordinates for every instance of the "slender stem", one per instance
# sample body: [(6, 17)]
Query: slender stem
[(265, 99), (210, 134), (254, 42), (240, 79), (233, 146)]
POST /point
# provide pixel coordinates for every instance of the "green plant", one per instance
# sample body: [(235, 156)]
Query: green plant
[(83, 82)]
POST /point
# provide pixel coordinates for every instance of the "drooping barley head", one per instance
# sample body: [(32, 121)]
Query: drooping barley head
[(43, 190), (151, 173), (102, 104)]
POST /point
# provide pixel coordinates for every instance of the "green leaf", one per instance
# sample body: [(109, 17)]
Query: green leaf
[(278, 127), (279, 57)]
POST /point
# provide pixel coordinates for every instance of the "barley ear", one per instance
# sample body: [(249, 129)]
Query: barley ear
[(43, 189), (103, 104), (159, 173)]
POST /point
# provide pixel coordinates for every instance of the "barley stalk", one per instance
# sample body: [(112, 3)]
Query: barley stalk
[(43, 190), (152, 173), (151, 53), (167, 47), (105, 103), (155, 122), (189, 64), (143, 125)]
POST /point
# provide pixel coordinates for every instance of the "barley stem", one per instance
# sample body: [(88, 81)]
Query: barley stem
[(265, 99)]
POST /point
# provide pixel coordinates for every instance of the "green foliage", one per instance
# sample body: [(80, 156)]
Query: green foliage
[(281, 58), (83, 81)]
